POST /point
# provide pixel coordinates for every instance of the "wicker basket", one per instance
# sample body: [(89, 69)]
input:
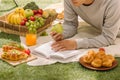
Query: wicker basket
[(21, 30)]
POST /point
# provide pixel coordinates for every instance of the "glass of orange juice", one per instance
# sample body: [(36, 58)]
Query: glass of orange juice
[(31, 39)]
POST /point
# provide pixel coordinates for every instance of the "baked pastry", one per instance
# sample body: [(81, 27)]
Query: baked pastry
[(107, 63), (14, 55), (96, 62), (99, 59), (12, 45), (14, 52), (91, 53), (100, 54), (89, 57), (60, 15), (110, 57)]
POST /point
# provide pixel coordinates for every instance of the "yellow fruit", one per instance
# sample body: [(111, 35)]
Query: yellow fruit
[(15, 18), (12, 19), (20, 10), (9, 17), (20, 18)]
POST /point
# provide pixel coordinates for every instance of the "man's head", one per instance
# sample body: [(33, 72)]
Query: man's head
[(80, 2)]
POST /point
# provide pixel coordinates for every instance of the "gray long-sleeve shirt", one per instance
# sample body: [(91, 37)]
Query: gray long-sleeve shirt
[(101, 14)]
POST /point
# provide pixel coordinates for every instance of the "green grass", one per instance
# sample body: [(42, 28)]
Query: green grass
[(58, 71)]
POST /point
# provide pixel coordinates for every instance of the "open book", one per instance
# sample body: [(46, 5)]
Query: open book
[(47, 51)]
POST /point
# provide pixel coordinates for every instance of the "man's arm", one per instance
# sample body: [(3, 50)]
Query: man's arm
[(110, 29), (70, 20)]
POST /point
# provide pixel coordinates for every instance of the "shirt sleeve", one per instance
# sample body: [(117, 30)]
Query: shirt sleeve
[(70, 20), (110, 28)]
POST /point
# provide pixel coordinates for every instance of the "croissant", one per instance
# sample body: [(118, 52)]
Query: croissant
[(99, 59), (92, 53), (110, 57), (100, 54), (96, 62), (107, 63), (88, 59)]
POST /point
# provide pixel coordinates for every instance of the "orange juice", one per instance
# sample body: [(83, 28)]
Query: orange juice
[(31, 39)]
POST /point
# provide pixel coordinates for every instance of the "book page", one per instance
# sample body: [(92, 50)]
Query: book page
[(65, 54), (47, 51)]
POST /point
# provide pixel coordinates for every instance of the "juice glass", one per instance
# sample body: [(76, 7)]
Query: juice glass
[(31, 39)]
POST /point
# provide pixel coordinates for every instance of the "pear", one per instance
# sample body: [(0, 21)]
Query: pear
[(57, 28), (45, 14)]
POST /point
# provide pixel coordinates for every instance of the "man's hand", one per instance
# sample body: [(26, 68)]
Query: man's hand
[(56, 36), (64, 45)]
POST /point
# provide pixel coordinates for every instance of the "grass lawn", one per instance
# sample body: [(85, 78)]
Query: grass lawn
[(58, 71)]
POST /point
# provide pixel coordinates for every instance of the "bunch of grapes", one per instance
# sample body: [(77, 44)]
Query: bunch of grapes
[(33, 23)]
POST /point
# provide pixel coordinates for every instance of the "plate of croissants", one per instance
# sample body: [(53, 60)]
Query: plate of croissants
[(98, 60), (15, 53)]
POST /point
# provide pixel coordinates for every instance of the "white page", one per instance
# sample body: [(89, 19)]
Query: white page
[(46, 50), (65, 54)]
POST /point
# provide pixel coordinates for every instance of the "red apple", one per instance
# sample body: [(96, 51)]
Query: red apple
[(35, 12), (32, 18), (38, 15), (25, 19), (22, 23), (40, 11)]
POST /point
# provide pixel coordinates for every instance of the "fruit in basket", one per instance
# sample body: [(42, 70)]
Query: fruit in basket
[(34, 23), (32, 18), (45, 14), (15, 18), (57, 28), (20, 10), (35, 12), (52, 12), (40, 11), (28, 13)]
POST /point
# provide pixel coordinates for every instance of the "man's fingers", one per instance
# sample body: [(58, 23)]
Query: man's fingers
[(62, 49), (59, 48), (53, 33), (57, 37)]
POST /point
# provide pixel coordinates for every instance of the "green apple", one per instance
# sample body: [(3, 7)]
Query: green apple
[(57, 28), (28, 13)]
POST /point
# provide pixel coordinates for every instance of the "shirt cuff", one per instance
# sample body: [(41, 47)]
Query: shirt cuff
[(82, 43)]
